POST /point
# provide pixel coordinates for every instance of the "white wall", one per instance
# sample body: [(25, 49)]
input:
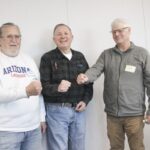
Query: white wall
[(90, 21)]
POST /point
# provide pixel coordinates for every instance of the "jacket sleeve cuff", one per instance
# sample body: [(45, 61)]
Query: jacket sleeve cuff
[(86, 101), (148, 112)]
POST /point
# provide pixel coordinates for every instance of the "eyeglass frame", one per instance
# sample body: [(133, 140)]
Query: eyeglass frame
[(10, 37), (118, 30)]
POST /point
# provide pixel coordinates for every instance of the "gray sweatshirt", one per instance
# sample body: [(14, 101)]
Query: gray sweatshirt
[(127, 77)]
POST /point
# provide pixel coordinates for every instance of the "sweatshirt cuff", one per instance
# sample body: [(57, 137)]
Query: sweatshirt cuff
[(21, 93), (42, 118)]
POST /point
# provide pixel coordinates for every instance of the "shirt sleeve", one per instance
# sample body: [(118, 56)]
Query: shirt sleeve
[(42, 109), (96, 70), (146, 75), (88, 94), (49, 88), (11, 94)]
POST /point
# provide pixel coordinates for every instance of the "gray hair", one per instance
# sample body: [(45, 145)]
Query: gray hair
[(120, 22), (59, 25), (6, 25)]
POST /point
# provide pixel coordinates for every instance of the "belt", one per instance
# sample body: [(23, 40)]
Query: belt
[(64, 104)]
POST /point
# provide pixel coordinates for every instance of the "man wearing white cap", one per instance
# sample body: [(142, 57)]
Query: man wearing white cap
[(127, 76)]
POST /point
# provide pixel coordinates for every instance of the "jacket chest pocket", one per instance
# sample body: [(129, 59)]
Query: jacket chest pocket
[(59, 71), (135, 65)]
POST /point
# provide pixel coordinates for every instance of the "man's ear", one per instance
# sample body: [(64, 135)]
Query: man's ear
[(129, 29), (53, 39)]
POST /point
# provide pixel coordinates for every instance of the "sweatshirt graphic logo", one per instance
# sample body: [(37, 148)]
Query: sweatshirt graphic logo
[(16, 71)]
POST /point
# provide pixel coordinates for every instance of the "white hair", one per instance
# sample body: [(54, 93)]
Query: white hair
[(119, 23)]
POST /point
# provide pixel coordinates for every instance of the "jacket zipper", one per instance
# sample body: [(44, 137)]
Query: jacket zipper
[(119, 84)]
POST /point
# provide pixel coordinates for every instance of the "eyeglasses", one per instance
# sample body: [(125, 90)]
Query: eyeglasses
[(119, 30), (10, 37)]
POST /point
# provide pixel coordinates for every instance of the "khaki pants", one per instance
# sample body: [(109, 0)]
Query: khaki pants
[(117, 127)]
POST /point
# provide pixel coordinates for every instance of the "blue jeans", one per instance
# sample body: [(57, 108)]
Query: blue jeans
[(30, 140), (66, 128)]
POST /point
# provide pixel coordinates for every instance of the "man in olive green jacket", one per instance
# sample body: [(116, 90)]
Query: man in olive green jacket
[(127, 76)]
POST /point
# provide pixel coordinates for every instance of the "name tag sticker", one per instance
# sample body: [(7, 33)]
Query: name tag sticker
[(130, 68)]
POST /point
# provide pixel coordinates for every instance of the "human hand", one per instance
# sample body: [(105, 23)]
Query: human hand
[(43, 127), (80, 106), (64, 86), (34, 88), (82, 78), (147, 119)]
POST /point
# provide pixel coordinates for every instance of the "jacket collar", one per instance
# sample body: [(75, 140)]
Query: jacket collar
[(129, 49), (60, 54)]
